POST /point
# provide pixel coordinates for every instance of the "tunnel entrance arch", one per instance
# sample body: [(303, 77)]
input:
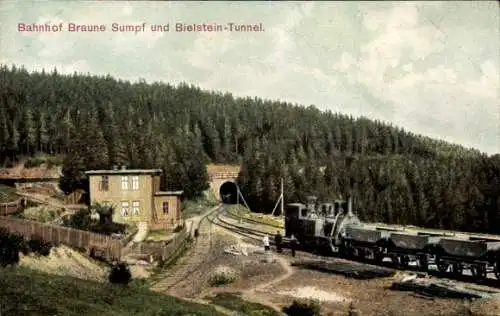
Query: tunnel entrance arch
[(228, 192)]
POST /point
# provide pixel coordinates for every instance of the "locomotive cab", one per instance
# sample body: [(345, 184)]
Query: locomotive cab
[(293, 213)]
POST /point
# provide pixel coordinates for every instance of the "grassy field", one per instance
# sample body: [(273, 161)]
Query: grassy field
[(7, 194), (26, 292), (240, 210)]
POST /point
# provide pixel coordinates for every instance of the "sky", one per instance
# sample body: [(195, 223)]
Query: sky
[(429, 67)]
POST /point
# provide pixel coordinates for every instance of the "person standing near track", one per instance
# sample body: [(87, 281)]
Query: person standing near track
[(265, 240), (277, 240), (293, 244)]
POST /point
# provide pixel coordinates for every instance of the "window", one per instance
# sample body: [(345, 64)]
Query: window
[(104, 183), (124, 183), (165, 207), (125, 209), (135, 183), (136, 209)]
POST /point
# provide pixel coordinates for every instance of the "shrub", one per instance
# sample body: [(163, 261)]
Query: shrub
[(120, 274), (303, 308), (222, 275), (10, 246), (42, 214), (39, 246), (33, 162), (79, 220), (178, 228)]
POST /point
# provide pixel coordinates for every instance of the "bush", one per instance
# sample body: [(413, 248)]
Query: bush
[(120, 274), (39, 247), (10, 246), (178, 228), (79, 220), (222, 275), (82, 220), (42, 214), (303, 308), (33, 162)]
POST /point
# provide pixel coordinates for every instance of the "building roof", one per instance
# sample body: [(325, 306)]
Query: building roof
[(160, 193), (123, 171)]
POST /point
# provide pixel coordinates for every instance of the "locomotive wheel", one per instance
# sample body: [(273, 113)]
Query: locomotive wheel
[(479, 271), (395, 259), (378, 255), (361, 254), (350, 252), (404, 261)]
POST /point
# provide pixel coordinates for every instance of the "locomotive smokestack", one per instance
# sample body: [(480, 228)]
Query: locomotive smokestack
[(311, 203)]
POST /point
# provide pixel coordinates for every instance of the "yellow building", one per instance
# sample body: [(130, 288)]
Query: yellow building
[(135, 196)]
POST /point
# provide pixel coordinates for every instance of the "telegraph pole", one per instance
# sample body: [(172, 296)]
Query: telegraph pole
[(280, 200)]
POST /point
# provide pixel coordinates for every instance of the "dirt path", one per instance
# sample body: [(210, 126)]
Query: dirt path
[(257, 294)]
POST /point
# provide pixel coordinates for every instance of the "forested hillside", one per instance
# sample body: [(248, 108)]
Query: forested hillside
[(395, 176)]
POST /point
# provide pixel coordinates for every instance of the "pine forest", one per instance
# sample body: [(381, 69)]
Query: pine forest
[(393, 175)]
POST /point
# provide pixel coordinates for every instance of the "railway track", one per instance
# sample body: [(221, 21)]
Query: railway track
[(193, 260), (256, 235)]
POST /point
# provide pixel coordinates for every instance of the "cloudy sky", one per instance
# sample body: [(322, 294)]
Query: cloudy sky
[(432, 68)]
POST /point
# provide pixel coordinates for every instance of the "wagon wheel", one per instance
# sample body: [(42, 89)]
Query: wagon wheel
[(442, 266), (497, 269), (395, 259), (479, 271), (457, 269), (423, 262), (404, 261)]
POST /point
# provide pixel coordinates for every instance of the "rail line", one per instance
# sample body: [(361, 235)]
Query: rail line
[(188, 265), (257, 235)]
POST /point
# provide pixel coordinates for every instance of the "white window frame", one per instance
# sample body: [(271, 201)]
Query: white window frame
[(135, 183), (136, 208), (125, 184), (125, 208)]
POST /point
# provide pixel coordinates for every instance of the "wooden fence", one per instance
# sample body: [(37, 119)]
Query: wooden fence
[(159, 250), (175, 245), (10, 207), (109, 248)]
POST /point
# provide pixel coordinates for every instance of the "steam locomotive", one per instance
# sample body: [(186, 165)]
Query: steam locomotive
[(335, 228)]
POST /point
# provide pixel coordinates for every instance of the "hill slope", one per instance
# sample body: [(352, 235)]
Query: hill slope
[(25, 292), (97, 122)]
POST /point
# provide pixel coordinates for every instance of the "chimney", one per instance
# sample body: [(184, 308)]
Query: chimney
[(124, 167)]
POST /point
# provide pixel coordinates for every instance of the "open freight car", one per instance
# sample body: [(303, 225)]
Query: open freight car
[(334, 227)]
